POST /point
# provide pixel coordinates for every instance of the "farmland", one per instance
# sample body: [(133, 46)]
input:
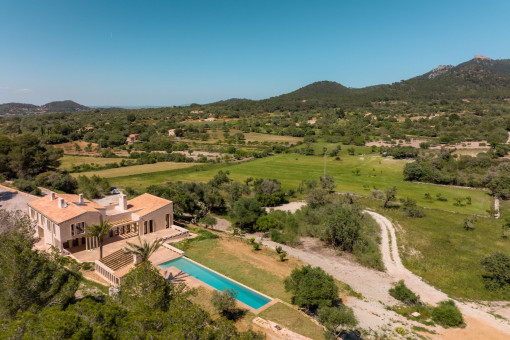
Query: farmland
[(137, 169), (356, 174)]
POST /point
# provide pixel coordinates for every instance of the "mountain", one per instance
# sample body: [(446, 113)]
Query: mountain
[(52, 107), (480, 78)]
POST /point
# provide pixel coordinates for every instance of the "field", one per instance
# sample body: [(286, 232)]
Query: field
[(357, 174), (438, 249), (69, 160), (136, 169)]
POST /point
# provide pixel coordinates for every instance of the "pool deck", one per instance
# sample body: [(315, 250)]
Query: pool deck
[(177, 276)]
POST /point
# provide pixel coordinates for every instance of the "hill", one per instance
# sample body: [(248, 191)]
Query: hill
[(52, 107), (480, 78)]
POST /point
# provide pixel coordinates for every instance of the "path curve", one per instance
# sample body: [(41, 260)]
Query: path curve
[(428, 293)]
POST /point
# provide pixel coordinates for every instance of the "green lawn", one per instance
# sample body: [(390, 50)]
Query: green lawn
[(240, 266), (375, 172), (438, 249), (292, 319)]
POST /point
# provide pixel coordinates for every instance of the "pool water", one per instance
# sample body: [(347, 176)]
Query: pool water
[(245, 295)]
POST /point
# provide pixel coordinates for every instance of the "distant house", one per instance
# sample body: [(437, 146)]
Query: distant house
[(133, 138), (171, 132), (210, 119), (197, 112)]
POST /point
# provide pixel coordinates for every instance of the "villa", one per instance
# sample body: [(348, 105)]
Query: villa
[(62, 219)]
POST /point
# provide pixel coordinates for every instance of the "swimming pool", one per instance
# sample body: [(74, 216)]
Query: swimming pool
[(245, 295)]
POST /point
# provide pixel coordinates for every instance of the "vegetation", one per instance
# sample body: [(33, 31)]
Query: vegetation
[(311, 288), (447, 314), (404, 294), (99, 231)]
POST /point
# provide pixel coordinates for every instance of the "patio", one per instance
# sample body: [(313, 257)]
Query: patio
[(117, 243)]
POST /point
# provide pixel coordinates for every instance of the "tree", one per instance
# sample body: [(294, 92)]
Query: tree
[(334, 318), (311, 287), (208, 221), (327, 183), (342, 229), (317, 197), (145, 288), (30, 279), (246, 211), (496, 270), (99, 231), (220, 178), (225, 303), (390, 194), (144, 250)]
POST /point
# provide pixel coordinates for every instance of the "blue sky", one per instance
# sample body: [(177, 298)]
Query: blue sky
[(180, 52)]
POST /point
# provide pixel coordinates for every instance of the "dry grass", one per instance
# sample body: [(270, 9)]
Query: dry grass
[(137, 169)]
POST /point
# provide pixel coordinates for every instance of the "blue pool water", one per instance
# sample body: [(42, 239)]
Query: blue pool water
[(245, 295)]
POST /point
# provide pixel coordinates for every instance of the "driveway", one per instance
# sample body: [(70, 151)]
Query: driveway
[(13, 200)]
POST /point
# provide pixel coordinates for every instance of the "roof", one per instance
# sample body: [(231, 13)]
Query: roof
[(73, 209), (147, 203)]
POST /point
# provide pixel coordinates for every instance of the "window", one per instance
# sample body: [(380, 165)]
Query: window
[(72, 229), (167, 219), (80, 228)]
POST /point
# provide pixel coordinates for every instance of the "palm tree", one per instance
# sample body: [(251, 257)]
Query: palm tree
[(99, 231), (144, 250)]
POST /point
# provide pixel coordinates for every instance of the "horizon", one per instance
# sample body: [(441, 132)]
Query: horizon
[(162, 54)]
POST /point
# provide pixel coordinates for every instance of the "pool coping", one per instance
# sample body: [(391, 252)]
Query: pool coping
[(271, 301)]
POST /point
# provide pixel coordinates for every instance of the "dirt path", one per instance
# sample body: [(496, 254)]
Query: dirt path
[(372, 311), (478, 319)]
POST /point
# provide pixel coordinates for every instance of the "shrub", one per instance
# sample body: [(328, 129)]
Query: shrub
[(282, 256), (412, 209), (333, 318), (311, 287), (256, 246), (27, 186), (447, 314), (404, 294), (278, 249), (496, 270), (225, 302)]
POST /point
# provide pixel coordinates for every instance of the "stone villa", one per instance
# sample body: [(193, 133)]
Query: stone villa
[(62, 219)]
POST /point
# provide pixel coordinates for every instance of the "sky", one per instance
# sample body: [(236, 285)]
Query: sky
[(164, 53)]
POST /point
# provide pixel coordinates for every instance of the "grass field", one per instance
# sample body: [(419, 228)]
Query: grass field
[(375, 172), (69, 160), (438, 249), (136, 169)]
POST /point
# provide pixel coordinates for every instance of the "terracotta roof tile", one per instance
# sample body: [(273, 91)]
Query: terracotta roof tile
[(50, 208), (147, 203)]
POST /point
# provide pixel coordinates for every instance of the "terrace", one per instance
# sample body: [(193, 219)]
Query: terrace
[(119, 242)]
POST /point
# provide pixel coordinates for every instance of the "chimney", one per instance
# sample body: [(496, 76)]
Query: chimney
[(61, 203), (80, 198), (123, 202), (52, 196)]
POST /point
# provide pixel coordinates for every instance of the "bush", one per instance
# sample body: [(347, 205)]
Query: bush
[(447, 314), (333, 318), (404, 294), (412, 209), (27, 186), (311, 287), (278, 249), (225, 302), (496, 270), (256, 246), (282, 256)]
